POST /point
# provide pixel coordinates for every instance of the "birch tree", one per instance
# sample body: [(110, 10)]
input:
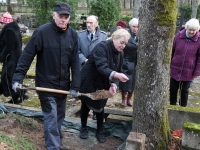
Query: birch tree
[(136, 7), (156, 31), (194, 8)]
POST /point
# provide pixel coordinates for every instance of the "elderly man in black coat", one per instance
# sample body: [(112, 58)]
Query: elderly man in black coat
[(55, 45)]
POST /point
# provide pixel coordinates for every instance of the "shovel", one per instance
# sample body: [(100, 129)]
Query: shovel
[(99, 94)]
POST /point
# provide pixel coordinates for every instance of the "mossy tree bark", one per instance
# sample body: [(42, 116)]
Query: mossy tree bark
[(156, 31)]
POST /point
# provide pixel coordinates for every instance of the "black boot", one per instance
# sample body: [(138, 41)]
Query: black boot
[(83, 133), (101, 136), (24, 97), (94, 117), (13, 100)]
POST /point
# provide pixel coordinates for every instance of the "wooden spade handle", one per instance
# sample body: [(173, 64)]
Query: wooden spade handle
[(98, 95), (50, 90)]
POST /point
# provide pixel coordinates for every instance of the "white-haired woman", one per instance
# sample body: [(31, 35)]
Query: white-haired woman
[(129, 64), (99, 72), (185, 61)]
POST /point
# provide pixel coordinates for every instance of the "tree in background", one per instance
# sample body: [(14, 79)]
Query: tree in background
[(187, 9), (43, 9), (108, 12), (156, 32), (136, 7), (9, 8), (194, 8)]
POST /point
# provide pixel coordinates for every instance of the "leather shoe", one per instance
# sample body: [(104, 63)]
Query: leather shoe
[(101, 137), (64, 147), (83, 133)]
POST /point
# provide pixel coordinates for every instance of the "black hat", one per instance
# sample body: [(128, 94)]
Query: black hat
[(62, 8)]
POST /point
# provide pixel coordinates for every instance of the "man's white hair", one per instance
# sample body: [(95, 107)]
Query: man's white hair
[(95, 17)]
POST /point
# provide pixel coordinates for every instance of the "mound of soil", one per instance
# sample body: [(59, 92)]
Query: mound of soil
[(13, 128)]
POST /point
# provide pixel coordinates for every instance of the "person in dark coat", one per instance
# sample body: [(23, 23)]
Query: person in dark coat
[(129, 64), (55, 45), (100, 72), (10, 51), (185, 61), (88, 39)]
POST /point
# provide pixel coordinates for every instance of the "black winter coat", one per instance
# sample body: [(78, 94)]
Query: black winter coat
[(95, 73), (57, 52), (129, 64), (10, 51)]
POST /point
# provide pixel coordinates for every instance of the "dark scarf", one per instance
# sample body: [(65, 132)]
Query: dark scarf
[(117, 57)]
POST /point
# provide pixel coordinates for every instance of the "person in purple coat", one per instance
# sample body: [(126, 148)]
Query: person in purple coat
[(185, 61)]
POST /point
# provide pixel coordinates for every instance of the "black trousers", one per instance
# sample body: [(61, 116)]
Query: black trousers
[(183, 86), (84, 115)]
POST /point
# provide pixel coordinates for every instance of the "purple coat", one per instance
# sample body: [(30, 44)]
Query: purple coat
[(185, 62)]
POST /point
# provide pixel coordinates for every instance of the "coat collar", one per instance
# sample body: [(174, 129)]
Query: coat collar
[(57, 28), (96, 32)]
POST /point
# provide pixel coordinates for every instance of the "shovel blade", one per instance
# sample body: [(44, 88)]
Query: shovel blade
[(98, 95)]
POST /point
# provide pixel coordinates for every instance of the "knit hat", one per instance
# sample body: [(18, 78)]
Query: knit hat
[(6, 18), (121, 23)]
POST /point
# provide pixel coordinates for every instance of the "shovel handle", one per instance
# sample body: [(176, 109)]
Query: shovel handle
[(52, 90), (49, 90)]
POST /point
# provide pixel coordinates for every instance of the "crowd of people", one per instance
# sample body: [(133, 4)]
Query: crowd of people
[(85, 62)]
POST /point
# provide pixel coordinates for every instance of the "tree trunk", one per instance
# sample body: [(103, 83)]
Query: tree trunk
[(156, 32), (136, 7), (194, 8), (9, 8)]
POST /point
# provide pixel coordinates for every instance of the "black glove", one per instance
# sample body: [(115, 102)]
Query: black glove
[(73, 93)]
